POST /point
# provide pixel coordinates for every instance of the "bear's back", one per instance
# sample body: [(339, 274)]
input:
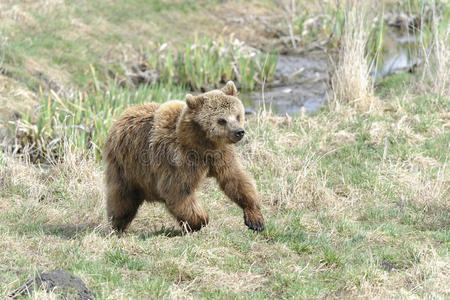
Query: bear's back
[(128, 136), (163, 139), (139, 129), (168, 113)]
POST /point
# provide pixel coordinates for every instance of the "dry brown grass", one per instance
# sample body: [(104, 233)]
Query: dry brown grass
[(351, 82), (75, 178), (437, 57), (306, 188)]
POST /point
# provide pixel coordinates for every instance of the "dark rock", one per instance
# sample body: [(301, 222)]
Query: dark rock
[(58, 281)]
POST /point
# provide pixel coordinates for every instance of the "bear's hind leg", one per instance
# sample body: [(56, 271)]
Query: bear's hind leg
[(121, 206), (189, 213)]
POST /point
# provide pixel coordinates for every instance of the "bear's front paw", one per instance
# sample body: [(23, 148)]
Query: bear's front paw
[(254, 219)]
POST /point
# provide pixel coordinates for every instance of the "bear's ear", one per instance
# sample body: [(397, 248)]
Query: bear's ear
[(230, 89), (194, 101)]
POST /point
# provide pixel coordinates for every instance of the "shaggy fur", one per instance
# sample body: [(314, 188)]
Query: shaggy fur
[(162, 152)]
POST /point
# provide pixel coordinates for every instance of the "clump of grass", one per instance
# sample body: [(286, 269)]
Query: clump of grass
[(85, 119), (308, 24), (351, 80), (375, 48), (205, 64), (434, 39)]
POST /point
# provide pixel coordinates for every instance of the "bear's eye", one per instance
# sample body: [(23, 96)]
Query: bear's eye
[(222, 121), (238, 117)]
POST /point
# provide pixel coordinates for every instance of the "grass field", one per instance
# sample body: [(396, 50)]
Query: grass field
[(356, 203)]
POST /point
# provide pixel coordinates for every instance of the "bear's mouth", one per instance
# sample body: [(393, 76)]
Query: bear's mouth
[(233, 139)]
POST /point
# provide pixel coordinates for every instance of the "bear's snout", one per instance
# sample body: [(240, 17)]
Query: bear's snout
[(239, 134)]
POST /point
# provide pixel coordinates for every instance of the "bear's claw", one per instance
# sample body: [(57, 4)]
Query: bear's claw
[(254, 220), (256, 227)]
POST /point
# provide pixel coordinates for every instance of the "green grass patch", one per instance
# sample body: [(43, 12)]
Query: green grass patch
[(205, 64)]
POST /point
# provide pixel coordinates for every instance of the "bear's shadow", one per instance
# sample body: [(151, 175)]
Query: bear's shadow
[(71, 231), (163, 231)]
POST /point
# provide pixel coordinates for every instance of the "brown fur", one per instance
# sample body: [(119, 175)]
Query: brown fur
[(162, 152)]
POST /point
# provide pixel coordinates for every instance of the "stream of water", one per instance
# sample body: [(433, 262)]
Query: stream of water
[(301, 82)]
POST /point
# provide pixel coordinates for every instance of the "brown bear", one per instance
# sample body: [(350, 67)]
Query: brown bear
[(162, 152)]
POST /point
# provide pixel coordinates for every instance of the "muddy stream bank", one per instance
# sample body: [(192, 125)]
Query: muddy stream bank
[(301, 83)]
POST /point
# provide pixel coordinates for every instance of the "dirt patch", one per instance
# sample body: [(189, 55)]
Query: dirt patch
[(59, 281), (250, 22)]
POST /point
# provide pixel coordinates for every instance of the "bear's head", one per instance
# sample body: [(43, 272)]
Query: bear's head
[(219, 114)]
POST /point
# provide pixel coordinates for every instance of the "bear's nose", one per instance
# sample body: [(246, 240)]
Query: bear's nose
[(239, 133)]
